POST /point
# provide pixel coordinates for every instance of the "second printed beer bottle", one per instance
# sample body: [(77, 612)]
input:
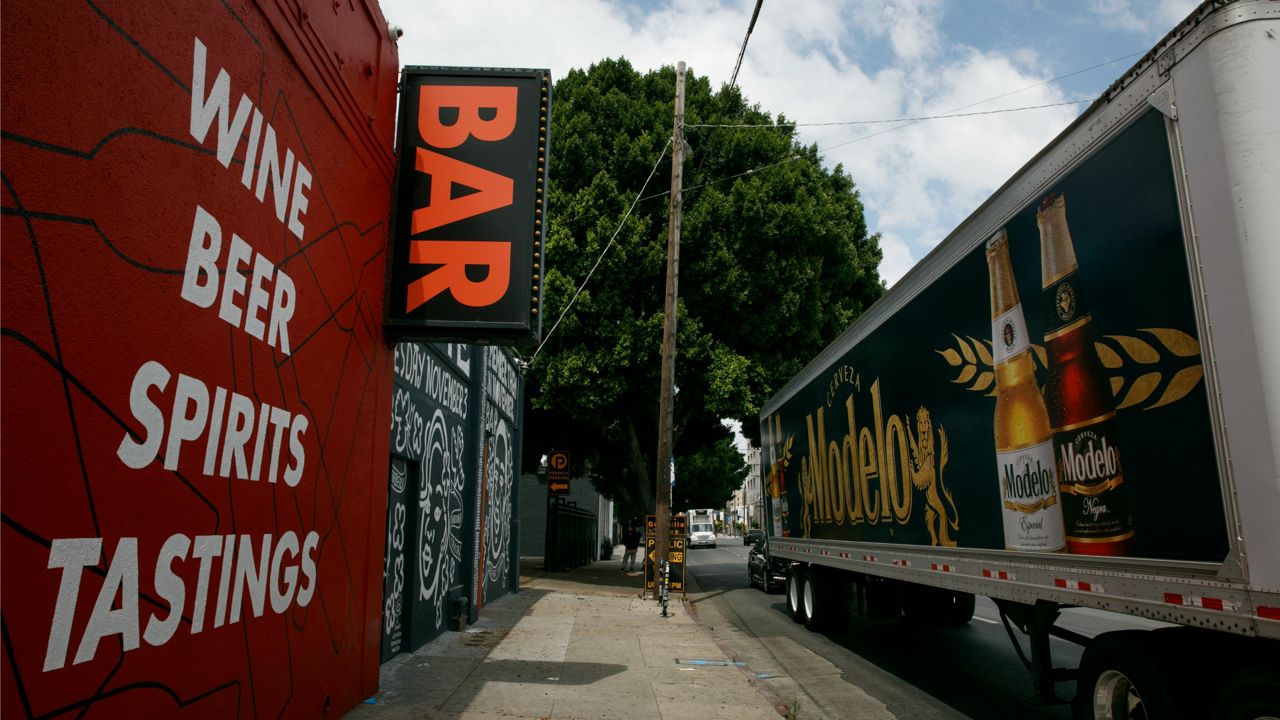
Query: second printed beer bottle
[(1081, 407), (1024, 447)]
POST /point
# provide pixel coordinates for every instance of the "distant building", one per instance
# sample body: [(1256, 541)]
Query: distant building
[(752, 491)]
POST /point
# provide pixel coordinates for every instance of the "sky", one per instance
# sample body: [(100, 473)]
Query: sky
[(843, 61)]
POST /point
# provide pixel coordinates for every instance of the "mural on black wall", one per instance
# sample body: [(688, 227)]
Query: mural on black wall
[(440, 513), (501, 388), (429, 426), (497, 524), (394, 581)]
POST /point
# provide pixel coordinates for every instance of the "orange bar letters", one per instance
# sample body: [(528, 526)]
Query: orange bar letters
[(468, 101), (454, 256), (493, 191)]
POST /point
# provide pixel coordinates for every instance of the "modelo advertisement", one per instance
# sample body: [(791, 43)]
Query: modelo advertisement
[(1045, 395), (195, 383)]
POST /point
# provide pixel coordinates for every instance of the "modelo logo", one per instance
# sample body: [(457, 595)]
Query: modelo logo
[(1088, 459), (1021, 480)]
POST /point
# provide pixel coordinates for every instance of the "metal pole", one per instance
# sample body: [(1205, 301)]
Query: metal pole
[(666, 394)]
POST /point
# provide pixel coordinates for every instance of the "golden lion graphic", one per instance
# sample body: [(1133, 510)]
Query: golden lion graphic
[(928, 478)]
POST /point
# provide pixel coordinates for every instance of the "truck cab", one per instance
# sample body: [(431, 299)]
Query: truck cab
[(702, 528)]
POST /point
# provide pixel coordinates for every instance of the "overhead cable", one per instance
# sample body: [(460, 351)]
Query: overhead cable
[(603, 252), (895, 120)]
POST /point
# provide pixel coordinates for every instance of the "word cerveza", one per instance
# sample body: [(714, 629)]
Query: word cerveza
[(282, 573)]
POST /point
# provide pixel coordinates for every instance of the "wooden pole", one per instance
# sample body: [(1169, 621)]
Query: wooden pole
[(666, 394)]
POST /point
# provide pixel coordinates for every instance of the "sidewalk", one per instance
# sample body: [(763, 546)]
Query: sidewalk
[(577, 644)]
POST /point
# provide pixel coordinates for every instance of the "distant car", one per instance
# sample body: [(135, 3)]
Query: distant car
[(702, 535), (764, 571), (752, 536)]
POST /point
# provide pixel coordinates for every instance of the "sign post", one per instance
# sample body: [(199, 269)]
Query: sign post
[(558, 472), (675, 553)]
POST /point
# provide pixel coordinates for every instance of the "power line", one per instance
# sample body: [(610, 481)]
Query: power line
[(602, 253), (733, 80), (896, 120), (726, 95), (908, 122), (1052, 80)]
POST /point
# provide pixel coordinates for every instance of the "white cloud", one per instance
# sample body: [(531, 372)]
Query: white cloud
[(913, 28), (1149, 19)]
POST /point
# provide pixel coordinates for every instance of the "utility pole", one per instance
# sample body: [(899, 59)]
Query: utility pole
[(666, 393)]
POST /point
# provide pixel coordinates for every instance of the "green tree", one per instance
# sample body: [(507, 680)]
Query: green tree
[(775, 261), (707, 477)]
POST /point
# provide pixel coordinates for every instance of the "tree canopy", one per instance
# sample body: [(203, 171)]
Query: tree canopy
[(775, 261)]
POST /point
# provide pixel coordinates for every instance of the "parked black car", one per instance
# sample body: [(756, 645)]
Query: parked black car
[(753, 536), (765, 571)]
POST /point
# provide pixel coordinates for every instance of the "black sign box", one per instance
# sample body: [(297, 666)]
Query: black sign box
[(470, 206)]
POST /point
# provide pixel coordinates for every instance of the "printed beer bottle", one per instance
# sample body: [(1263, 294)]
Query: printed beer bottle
[(1081, 407), (1024, 447)]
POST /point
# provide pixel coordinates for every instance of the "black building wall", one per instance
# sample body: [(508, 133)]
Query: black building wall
[(450, 510)]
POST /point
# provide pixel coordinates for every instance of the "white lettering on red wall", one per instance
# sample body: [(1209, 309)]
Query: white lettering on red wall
[(229, 434)]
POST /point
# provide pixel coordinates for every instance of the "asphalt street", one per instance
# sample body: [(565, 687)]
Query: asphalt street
[(881, 668)]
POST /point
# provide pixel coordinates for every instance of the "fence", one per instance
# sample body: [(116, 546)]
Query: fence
[(571, 536)]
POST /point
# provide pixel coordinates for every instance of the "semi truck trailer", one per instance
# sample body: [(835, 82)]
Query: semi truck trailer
[(1074, 401)]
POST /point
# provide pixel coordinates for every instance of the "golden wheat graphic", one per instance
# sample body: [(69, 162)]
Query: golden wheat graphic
[(1167, 361)]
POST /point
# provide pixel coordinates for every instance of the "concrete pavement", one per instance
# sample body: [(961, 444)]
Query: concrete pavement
[(573, 645)]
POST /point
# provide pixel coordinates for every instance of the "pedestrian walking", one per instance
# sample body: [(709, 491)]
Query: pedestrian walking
[(630, 540)]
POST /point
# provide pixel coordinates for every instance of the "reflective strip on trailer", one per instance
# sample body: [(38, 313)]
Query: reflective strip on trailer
[(1268, 613), (901, 563), (998, 574), (1079, 585), (941, 567), (868, 558), (1206, 603)]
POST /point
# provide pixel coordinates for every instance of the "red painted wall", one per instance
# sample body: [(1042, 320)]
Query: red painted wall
[(152, 407)]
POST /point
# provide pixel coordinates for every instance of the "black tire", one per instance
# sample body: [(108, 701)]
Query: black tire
[(795, 586), (1120, 678), (814, 600)]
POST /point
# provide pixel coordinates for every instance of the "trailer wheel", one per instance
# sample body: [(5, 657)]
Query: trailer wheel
[(795, 586), (1120, 679), (825, 599), (814, 609)]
